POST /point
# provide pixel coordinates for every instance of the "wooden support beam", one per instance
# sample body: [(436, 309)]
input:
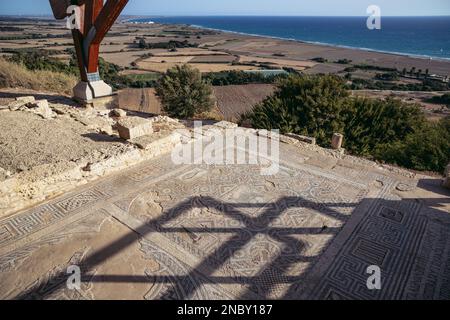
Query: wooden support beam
[(78, 42), (92, 10), (78, 38), (59, 8), (107, 17)]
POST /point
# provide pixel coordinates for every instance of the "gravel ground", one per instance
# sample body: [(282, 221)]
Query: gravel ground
[(28, 142)]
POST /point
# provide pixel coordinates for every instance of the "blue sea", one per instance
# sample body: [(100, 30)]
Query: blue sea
[(415, 36)]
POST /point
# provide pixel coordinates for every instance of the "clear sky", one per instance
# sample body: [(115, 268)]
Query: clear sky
[(253, 7)]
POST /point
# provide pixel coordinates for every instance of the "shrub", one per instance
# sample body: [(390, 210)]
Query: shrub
[(344, 61), (40, 60), (389, 76), (387, 130), (234, 77), (427, 148), (183, 92), (376, 68), (320, 60), (308, 105), (443, 99), (172, 44), (425, 85), (373, 122)]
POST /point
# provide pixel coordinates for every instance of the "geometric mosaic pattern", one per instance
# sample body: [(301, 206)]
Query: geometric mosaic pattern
[(168, 287), (227, 232), (24, 224), (380, 239)]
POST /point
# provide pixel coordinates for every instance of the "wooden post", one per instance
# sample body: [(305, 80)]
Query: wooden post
[(97, 18)]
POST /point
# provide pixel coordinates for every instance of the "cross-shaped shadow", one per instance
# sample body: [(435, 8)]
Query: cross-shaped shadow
[(260, 285), (291, 249)]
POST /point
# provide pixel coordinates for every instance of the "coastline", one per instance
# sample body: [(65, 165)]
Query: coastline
[(409, 55), (317, 43)]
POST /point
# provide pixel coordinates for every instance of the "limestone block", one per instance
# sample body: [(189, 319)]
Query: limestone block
[(41, 108), (301, 138), (446, 182), (134, 127), (20, 102), (26, 99), (336, 141), (268, 134), (226, 125)]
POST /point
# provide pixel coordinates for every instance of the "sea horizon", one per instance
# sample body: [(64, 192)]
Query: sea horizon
[(399, 35)]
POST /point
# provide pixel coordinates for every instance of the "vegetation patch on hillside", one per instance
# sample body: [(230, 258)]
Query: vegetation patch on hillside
[(386, 130), (15, 75)]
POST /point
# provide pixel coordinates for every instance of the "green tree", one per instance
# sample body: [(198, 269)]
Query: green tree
[(373, 122), (426, 148), (183, 93), (386, 130), (308, 105)]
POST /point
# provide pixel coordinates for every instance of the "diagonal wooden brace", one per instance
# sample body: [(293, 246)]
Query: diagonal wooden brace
[(107, 17)]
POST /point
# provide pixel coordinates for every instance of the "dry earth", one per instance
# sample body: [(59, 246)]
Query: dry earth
[(41, 158), (233, 101)]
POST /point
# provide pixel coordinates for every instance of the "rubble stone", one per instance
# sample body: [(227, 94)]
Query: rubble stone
[(108, 130), (25, 100), (41, 108), (20, 102), (119, 113), (134, 127), (166, 119)]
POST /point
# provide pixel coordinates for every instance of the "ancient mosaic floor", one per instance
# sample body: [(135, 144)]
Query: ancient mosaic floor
[(159, 231)]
